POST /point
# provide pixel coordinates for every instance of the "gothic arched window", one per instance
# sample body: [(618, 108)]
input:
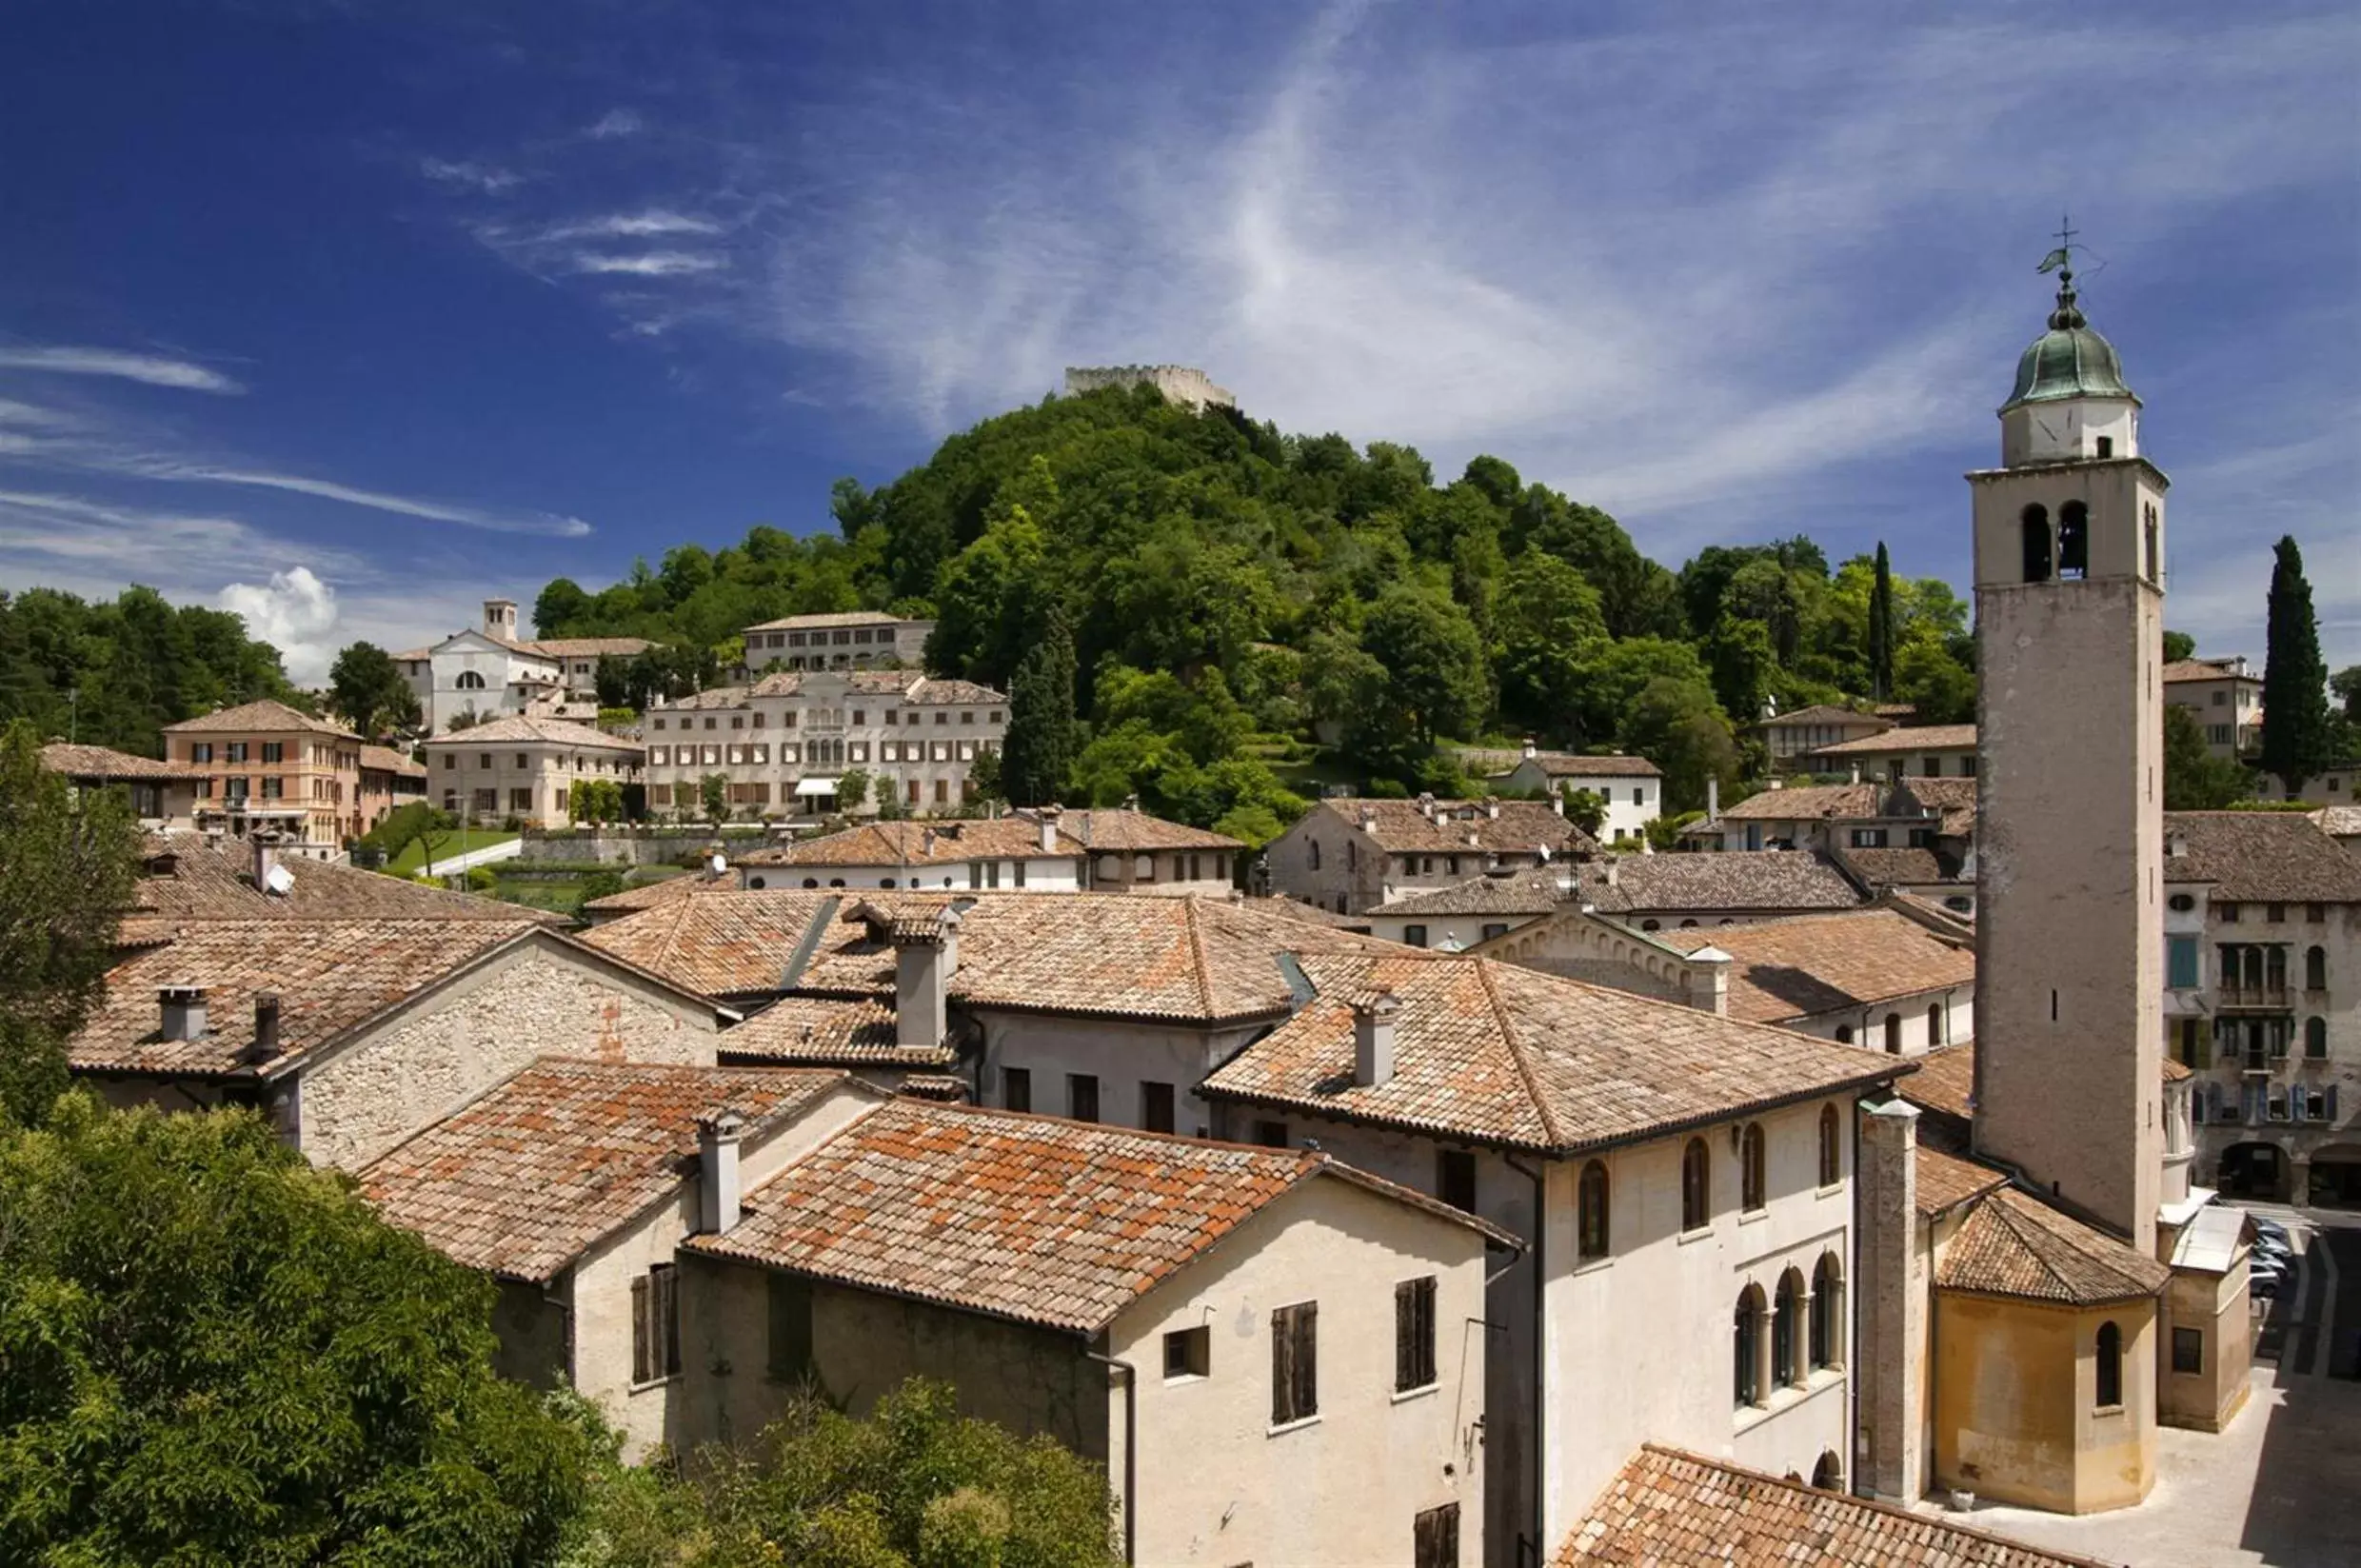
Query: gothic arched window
[(2073, 540), (2156, 564), (1746, 1357), (1786, 1314), (2110, 1368), (1935, 1024), (2316, 1038), (2037, 527), (1894, 1034), (1827, 1311)]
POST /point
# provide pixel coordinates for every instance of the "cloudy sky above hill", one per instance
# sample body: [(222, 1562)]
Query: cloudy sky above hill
[(345, 315)]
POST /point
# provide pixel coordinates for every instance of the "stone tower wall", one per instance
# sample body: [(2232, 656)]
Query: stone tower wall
[(1181, 384)]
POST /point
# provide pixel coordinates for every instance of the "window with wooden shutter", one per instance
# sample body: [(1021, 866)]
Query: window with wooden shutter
[(1414, 1334), (1434, 1542), (655, 1324), (1295, 1363), (790, 1328)]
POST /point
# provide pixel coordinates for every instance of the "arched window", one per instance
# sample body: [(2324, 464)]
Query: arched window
[(1844, 1034), (2315, 969), (1591, 1211), (1746, 1355), (1696, 1186), (1832, 1159), (1828, 1475), (2109, 1366), (469, 681), (1786, 1324), (1752, 1190), (881, 881), (2036, 521), (1652, 925), (756, 882), (811, 882), (836, 882), (1894, 1034), (2156, 564), (1827, 1311), (1935, 1024), (1686, 923), (2073, 541), (1315, 848), (2316, 1038)]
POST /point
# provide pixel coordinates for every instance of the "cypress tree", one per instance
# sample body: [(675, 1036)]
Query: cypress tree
[(1039, 753), (1881, 628), (2295, 678)]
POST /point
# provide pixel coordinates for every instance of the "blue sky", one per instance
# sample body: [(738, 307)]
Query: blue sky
[(347, 315)]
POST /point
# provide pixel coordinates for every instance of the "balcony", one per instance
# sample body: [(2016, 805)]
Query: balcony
[(2264, 996)]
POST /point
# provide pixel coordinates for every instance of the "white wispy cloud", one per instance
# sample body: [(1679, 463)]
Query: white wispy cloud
[(152, 369), (470, 174), (614, 125), (652, 223), (437, 511), (651, 264)]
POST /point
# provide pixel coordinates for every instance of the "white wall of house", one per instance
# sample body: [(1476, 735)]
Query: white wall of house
[(532, 781), (1037, 874), (1120, 1055), (1445, 933), (1174, 872), (1634, 800), (1921, 1021)]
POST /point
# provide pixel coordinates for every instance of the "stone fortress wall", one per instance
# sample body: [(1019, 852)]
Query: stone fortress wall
[(1181, 384)]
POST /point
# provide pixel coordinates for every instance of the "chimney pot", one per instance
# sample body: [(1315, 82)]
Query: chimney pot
[(1713, 797), (923, 964), (266, 1042), (1050, 814), (1530, 748), (183, 1008), (1492, 806), (1611, 864), (720, 1198), (264, 844), (1373, 1039)]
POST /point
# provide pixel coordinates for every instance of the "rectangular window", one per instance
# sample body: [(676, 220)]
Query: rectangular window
[(1414, 1334), (1868, 838), (2188, 1350), (2315, 913), (1082, 1096), (790, 1328), (1493, 929), (201, 751), (1414, 935), (521, 799), (1434, 1537), (2229, 913), (1295, 1363), (1188, 1353), (1455, 1179), (2180, 962), (1271, 1135), (655, 1324), (234, 751), (1017, 1088), (1156, 1107), (275, 788), (274, 751), (1020, 873), (2276, 913)]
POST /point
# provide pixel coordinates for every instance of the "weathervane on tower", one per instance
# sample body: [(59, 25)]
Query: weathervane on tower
[(2061, 260)]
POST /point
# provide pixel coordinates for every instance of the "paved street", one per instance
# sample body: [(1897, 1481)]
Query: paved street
[(2282, 1487)]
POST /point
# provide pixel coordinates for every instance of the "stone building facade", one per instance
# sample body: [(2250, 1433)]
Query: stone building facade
[(843, 640), (525, 768), (492, 672), (264, 766)]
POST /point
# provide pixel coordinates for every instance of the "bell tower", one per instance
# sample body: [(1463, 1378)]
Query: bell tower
[(2070, 922)]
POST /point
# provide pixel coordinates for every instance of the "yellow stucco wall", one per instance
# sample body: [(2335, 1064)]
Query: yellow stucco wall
[(2015, 1414), (2215, 1306)]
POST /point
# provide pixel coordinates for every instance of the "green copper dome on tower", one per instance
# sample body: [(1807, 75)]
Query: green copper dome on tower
[(2069, 360)]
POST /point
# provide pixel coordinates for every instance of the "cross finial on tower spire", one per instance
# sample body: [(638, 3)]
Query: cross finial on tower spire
[(2061, 260)]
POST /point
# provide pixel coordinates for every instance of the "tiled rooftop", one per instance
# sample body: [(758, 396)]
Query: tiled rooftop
[(649, 895), (1727, 882), (98, 762), (384, 759), (1906, 867), (910, 843), (1792, 969), (1671, 1509), (1055, 1222), (528, 1177), (1907, 739), (265, 717), (330, 976), (188, 877), (829, 619), (816, 1031), (2262, 856), (1493, 1053), (1808, 802), (1459, 827), (2200, 669), (517, 728), (2012, 1244), (1947, 1180), (583, 648), (2339, 822), (1534, 891), (1128, 832), (1827, 713)]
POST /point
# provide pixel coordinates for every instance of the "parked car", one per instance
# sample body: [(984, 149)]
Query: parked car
[(2263, 1286), (2267, 1228)]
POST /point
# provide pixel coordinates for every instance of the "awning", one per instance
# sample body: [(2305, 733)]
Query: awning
[(816, 786)]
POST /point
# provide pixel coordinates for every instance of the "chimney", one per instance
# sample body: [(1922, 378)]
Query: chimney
[(266, 845), (1530, 748), (1050, 814), (926, 958), (717, 1192), (1426, 807), (1610, 864), (266, 1041), (1492, 806), (1856, 772), (1131, 801), (184, 1011), (1774, 783), (1710, 990), (1713, 797), (1369, 819), (1372, 1040), (1558, 802), (2177, 845)]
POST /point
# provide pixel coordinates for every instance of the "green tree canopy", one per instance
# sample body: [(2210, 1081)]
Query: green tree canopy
[(212, 1353), (2194, 779), (1037, 759), (2296, 736), (2178, 646), (367, 690)]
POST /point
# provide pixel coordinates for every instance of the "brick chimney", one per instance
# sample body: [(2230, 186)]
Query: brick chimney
[(266, 1041), (1372, 1040), (720, 1198), (926, 958), (183, 1008), (1050, 814)]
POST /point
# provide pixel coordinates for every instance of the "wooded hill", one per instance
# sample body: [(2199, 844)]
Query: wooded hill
[(1233, 591)]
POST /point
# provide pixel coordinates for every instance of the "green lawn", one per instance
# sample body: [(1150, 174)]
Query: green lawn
[(413, 859)]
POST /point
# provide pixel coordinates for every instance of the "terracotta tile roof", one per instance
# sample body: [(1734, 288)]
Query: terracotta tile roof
[(1808, 802), (186, 878), (1887, 867), (2201, 669), (1535, 892), (98, 762), (1944, 1083), (1907, 738), (1793, 968), (1061, 1223), (830, 618), (1730, 882), (1947, 1180), (2012, 1244), (330, 976), (1667, 1508), (583, 648), (1128, 832), (934, 691), (2262, 856), (812, 1031), (1494, 763), (720, 944), (1460, 826), (1493, 1053), (529, 1175), (520, 728), (649, 895), (384, 759), (2339, 822), (1826, 713), (909, 843), (1311, 914), (259, 717)]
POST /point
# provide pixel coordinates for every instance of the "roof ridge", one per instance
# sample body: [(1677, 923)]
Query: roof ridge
[(1517, 1053), (1196, 955)]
